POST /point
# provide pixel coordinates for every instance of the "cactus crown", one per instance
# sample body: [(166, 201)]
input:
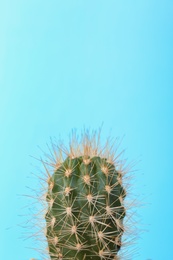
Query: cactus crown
[(85, 196)]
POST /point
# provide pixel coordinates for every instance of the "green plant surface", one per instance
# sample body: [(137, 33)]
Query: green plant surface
[(85, 213)]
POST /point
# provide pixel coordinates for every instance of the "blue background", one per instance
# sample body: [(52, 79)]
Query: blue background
[(70, 64)]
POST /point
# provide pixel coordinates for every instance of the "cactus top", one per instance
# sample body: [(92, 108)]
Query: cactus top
[(85, 211)]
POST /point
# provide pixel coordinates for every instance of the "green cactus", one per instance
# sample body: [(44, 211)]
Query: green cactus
[(85, 196)]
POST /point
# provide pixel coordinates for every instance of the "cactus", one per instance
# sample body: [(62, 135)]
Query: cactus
[(85, 198)]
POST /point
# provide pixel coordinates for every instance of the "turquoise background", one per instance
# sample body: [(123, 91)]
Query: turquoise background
[(70, 64)]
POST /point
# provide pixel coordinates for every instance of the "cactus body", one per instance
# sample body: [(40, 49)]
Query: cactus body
[(84, 219)]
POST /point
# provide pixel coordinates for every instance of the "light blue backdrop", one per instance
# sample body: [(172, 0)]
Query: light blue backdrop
[(66, 64)]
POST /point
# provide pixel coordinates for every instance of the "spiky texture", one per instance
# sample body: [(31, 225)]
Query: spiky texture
[(85, 197)]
